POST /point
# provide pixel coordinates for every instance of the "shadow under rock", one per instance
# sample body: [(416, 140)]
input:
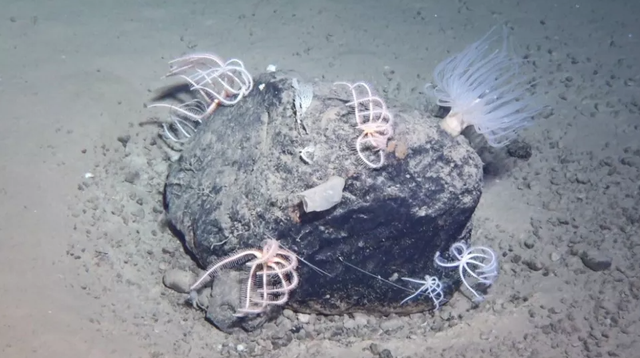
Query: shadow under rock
[(497, 162)]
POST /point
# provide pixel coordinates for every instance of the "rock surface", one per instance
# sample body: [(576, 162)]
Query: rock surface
[(237, 179)]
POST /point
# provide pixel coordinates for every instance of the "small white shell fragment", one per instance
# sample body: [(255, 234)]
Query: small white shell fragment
[(261, 87), (271, 68), (88, 175)]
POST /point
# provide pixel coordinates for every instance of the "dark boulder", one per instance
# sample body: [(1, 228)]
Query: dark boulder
[(237, 180)]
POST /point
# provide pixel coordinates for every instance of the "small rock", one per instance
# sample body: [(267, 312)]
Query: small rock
[(117, 210), (270, 327), (391, 324), (203, 298), (437, 326), (360, 319), (607, 161), (266, 344), (280, 342), (529, 242), (349, 323), (124, 139), (301, 335), (555, 256), (534, 265), (374, 348), (287, 313), (554, 310), (178, 280), (303, 318), (389, 72), (630, 162), (595, 260), (582, 178), (138, 213), (285, 325), (131, 177), (519, 149), (385, 354)]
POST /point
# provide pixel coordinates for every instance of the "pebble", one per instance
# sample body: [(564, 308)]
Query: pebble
[(289, 314), (530, 242), (349, 323), (203, 297), (303, 317), (285, 325), (391, 324), (138, 213), (178, 280), (132, 177), (374, 348), (595, 260), (534, 265), (360, 319), (582, 178), (124, 139), (630, 162)]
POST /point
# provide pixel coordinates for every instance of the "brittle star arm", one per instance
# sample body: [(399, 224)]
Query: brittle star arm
[(287, 285), (283, 291), (363, 139), (425, 286), (227, 261)]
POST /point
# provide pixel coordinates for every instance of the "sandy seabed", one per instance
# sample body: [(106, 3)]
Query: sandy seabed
[(81, 260)]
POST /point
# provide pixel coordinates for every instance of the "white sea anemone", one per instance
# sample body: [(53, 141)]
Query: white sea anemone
[(485, 87)]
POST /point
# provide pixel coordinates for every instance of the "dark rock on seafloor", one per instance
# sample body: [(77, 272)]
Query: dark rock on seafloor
[(595, 260), (519, 149), (237, 181)]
